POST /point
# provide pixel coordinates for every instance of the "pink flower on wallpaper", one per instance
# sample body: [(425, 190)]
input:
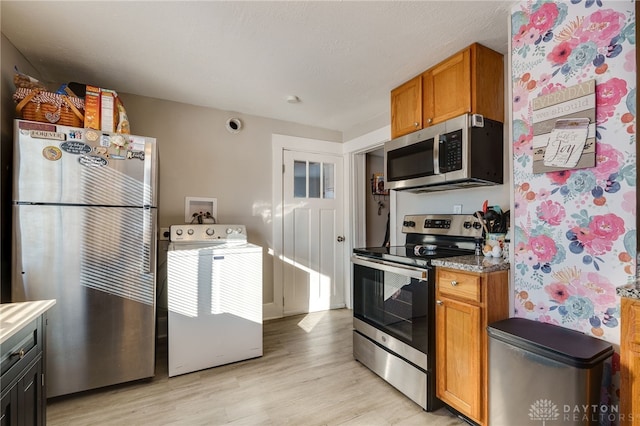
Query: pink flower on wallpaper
[(520, 97), (541, 308), (524, 255), (629, 202), (543, 193), (548, 319), (544, 247), (559, 178), (544, 79), (630, 60), (519, 40), (523, 145), (551, 212), (608, 160), (544, 18), (531, 35), (559, 292), (608, 96), (551, 88), (560, 53), (600, 27), (520, 203), (603, 114), (607, 226), (598, 288), (603, 230)]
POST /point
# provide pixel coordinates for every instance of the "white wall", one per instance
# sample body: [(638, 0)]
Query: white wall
[(198, 157), (10, 57)]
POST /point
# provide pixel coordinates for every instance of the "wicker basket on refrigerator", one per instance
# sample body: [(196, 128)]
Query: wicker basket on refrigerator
[(48, 107)]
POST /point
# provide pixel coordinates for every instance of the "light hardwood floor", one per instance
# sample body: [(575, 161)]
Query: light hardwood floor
[(307, 376)]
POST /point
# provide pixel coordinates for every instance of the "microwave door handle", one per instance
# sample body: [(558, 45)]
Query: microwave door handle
[(436, 154)]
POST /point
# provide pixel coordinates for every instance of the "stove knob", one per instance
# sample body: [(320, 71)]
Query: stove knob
[(467, 225), (190, 231), (210, 231), (409, 223), (178, 231), (477, 225), (229, 231)]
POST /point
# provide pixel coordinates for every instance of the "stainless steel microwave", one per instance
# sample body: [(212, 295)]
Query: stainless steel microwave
[(462, 152)]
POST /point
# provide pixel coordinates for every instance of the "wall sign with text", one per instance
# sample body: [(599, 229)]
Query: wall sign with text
[(564, 129)]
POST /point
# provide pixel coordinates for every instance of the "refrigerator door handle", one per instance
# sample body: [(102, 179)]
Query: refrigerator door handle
[(149, 237)]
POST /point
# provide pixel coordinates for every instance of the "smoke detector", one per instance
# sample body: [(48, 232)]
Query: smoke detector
[(234, 125)]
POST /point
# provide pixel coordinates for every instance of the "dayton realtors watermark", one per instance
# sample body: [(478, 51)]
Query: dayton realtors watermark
[(545, 410)]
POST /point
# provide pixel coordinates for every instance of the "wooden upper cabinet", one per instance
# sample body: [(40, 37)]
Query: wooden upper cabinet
[(447, 89), (406, 107), (471, 81)]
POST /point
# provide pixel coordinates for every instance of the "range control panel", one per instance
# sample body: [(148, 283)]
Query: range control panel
[(207, 232), (463, 225)]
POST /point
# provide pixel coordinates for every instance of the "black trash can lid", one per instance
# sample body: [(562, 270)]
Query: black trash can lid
[(558, 343)]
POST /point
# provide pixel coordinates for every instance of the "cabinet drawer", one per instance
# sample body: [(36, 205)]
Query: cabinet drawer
[(20, 350), (459, 285)]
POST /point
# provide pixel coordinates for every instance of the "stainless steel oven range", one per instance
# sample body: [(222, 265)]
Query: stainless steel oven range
[(394, 301)]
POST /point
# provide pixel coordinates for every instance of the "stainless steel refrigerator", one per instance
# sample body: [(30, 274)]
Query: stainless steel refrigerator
[(84, 233)]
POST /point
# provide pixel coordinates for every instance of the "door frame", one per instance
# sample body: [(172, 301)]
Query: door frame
[(280, 143), (355, 185)]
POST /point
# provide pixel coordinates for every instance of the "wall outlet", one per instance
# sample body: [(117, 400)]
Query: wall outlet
[(164, 234), (457, 208)]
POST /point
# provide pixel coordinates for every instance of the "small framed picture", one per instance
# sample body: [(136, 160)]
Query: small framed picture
[(377, 185)]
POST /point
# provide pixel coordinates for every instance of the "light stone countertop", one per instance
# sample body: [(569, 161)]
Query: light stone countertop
[(472, 263), (631, 290), (14, 316)]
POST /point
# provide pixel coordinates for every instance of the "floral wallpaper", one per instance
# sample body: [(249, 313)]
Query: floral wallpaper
[(574, 231)]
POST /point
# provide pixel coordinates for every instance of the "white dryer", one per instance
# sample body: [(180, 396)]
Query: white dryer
[(214, 297)]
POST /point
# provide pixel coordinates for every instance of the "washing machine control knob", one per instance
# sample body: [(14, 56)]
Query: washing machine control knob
[(190, 231), (178, 231), (229, 231), (210, 231)]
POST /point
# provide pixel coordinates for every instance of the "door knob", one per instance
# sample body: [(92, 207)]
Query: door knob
[(340, 238)]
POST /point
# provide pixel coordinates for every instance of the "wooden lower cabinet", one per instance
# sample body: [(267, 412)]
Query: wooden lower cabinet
[(466, 303), (629, 362)]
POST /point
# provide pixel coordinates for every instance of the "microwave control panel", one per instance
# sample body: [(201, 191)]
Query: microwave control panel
[(451, 151)]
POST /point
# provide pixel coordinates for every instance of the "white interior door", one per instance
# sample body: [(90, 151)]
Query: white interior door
[(313, 247)]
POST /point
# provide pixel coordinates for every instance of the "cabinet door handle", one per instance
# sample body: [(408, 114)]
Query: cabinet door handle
[(429, 120), (439, 302), (20, 354), (416, 124), (454, 283)]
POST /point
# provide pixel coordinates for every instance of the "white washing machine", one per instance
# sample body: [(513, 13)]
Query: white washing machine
[(214, 297)]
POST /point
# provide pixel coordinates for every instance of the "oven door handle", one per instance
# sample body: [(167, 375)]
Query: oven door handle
[(420, 274)]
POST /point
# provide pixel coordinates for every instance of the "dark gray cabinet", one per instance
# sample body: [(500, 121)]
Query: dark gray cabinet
[(22, 376)]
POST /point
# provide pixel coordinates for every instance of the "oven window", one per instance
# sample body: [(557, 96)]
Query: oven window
[(396, 304)]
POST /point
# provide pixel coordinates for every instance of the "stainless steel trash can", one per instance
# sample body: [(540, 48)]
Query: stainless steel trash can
[(543, 374)]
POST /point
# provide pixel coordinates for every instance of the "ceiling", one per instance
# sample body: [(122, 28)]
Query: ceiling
[(340, 58)]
